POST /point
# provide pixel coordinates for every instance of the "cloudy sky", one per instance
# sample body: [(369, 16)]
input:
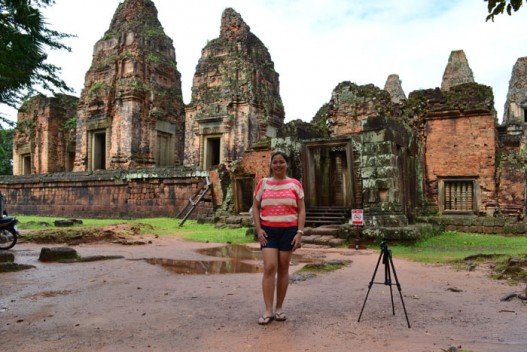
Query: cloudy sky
[(316, 44)]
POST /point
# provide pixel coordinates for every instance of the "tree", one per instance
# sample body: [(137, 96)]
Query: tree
[(6, 151), (6, 121), (496, 7), (24, 39)]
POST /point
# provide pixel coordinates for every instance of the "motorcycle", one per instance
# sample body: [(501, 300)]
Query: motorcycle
[(8, 232)]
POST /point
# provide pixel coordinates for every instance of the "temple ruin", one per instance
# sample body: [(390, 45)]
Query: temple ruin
[(131, 111), (129, 137), (45, 138)]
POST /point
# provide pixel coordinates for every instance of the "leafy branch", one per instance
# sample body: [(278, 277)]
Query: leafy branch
[(497, 7)]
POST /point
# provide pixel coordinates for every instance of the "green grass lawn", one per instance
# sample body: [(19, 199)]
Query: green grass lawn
[(454, 247), (460, 249), (190, 230)]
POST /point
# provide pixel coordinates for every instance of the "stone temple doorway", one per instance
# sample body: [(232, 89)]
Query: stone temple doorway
[(243, 193), (328, 173)]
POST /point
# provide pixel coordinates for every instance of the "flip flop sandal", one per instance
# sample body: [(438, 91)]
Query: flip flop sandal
[(280, 316), (265, 319)]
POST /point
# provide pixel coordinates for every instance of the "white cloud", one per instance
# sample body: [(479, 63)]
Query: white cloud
[(316, 44)]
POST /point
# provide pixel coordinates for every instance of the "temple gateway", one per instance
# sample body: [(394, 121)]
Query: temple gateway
[(129, 147)]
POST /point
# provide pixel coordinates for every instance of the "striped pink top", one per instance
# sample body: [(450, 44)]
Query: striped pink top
[(279, 202)]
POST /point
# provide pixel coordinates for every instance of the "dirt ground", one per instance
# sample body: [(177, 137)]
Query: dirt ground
[(132, 305)]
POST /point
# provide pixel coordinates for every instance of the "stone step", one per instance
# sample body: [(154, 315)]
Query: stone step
[(321, 221), (330, 208), (327, 213), (318, 217), (334, 214), (315, 223), (337, 210), (330, 241), (323, 236)]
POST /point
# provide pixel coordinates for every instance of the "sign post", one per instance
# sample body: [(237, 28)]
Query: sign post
[(357, 219)]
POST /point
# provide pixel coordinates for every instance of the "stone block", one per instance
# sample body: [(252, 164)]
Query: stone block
[(325, 231), (392, 233), (335, 242), (57, 254), (515, 229), (324, 239), (499, 230), (310, 239), (233, 220), (6, 257), (247, 221), (234, 226), (12, 267)]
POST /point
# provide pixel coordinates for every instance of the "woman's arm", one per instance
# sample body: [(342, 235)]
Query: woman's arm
[(260, 233), (256, 208), (297, 241)]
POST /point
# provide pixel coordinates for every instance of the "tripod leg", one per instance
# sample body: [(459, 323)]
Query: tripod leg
[(369, 286), (388, 279), (400, 292)]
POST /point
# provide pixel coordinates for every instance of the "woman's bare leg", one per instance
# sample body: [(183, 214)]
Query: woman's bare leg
[(270, 259), (282, 280)]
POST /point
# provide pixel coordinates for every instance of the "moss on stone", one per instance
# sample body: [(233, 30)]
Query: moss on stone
[(348, 97), (320, 120), (470, 96), (14, 267), (262, 144), (325, 266)]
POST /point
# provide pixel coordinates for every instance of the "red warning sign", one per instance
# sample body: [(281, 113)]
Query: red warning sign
[(357, 217)]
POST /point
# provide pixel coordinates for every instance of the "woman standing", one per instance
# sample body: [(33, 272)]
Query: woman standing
[(279, 216)]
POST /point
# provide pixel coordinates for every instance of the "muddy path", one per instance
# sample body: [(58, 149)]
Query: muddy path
[(132, 304)]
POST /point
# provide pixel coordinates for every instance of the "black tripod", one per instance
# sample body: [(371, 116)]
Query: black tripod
[(386, 257)]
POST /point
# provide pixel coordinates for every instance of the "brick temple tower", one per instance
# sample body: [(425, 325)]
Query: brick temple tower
[(235, 96), (131, 112), (45, 135), (457, 71), (513, 142)]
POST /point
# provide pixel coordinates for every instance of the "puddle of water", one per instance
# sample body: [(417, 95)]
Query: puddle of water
[(242, 252), (205, 267), (233, 251), (239, 259), (26, 252)]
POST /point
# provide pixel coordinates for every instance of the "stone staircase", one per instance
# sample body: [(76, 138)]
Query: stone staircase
[(323, 236), (322, 225), (320, 216)]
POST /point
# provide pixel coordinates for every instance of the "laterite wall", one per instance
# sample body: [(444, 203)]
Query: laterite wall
[(458, 146), (105, 194)]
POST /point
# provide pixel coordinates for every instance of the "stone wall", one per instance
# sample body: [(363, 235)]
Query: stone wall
[(511, 171), (352, 104), (388, 183), (257, 162), (105, 194), (461, 146), (473, 224)]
